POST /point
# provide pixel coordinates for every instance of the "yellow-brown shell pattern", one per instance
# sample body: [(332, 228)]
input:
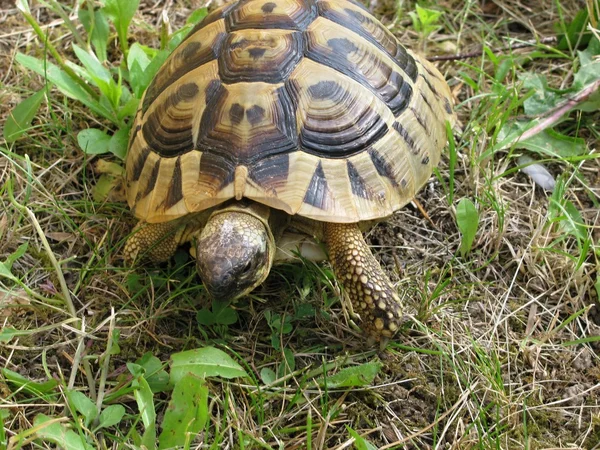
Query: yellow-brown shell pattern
[(312, 107)]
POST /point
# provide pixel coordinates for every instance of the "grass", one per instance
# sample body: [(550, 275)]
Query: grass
[(503, 275)]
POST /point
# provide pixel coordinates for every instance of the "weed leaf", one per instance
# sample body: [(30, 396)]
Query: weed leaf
[(118, 143), (83, 405), (64, 83), (467, 220), (356, 376), (111, 415), (204, 362), (93, 141), (186, 414), (26, 385), (96, 26), (360, 443), (121, 12), (145, 402), (49, 429), (19, 119)]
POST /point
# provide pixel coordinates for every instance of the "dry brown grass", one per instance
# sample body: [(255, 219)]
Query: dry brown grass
[(492, 360)]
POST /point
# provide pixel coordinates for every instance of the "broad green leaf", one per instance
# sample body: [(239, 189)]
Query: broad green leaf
[(137, 63), (93, 141), (542, 98), (204, 362), (20, 251), (574, 31), (142, 81), (196, 16), (59, 434), (83, 405), (568, 217), (118, 143), (7, 333), (6, 273), (355, 376), (155, 374), (589, 71), (64, 83), (96, 26), (145, 402), (30, 387), (288, 365), (224, 314), (467, 220), (111, 415), (121, 12), (99, 75), (267, 375), (186, 414), (360, 443), (19, 119)]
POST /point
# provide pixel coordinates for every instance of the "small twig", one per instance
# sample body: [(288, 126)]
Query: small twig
[(475, 54), (552, 116)]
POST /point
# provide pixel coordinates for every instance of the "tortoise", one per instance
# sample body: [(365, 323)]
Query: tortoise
[(280, 116)]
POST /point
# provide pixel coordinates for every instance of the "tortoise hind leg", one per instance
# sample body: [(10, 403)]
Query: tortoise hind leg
[(156, 242), (371, 293)]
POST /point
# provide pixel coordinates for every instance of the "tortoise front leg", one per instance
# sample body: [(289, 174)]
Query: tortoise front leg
[(156, 242), (371, 293)]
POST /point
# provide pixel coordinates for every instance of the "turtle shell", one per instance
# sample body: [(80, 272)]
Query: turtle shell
[(309, 106)]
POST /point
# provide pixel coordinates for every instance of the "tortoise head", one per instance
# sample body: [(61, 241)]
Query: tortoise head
[(234, 254)]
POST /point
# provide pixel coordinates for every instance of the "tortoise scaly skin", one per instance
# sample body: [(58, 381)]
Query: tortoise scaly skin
[(284, 115)]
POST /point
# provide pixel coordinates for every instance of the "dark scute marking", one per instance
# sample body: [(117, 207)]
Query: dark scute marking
[(419, 119), (270, 172), (403, 182), (236, 113), (357, 183), (323, 89), (342, 46), (174, 140), (385, 82), (133, 135), (425, 159), (269, 141), (216, 170), (399, 95), (189, 50), (273, 70), (318, 193), (157, 86), (383, 167), (151, 182), (175, 191), (430, 86), (427, 103), (268, 8), (238, 44), (447, 106), (329, 139), (403, 132), (213, 88), (138, 164), (255, 115), (188, 91), (360, 23), (256, 52), (299, 19)]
